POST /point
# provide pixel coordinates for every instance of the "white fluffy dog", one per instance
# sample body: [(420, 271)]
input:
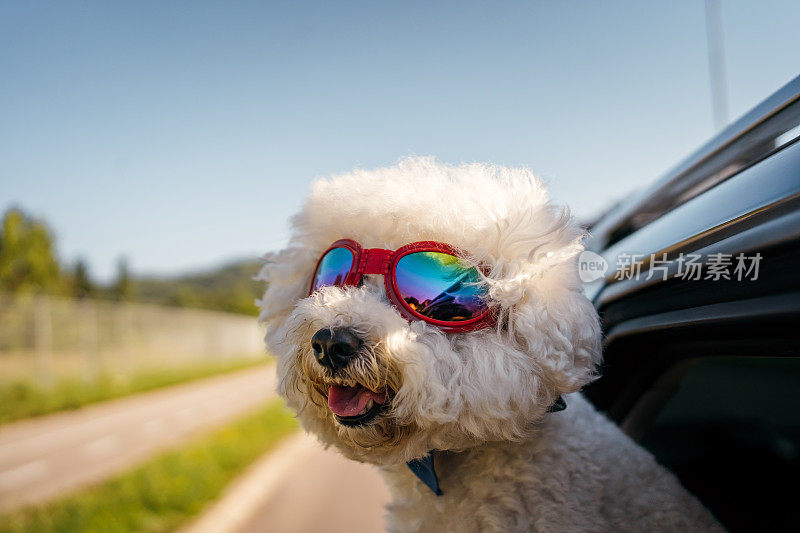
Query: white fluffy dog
[(479, 402)]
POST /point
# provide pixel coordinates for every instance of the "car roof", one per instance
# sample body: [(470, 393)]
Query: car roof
[(768, 127)]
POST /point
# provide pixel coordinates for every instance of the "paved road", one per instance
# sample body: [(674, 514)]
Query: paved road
[(299, 488), (44, 457)]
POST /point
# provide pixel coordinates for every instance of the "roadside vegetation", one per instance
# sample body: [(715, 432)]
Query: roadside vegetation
[(23, 399), (165, 491), (29, 263)]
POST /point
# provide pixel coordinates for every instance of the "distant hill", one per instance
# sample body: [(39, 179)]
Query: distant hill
[(228, 288), (29, 264)]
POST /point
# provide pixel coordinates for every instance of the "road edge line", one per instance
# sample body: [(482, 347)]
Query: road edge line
[(242, 498)]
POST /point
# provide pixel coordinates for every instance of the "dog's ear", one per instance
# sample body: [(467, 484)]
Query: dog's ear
[(538, 294), (559, 327), (288, 275), (545, 313), (572, 341)]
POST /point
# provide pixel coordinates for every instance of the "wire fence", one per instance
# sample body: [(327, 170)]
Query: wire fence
[(45, 338)]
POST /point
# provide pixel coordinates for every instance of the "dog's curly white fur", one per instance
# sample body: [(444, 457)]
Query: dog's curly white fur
[(479, 399)]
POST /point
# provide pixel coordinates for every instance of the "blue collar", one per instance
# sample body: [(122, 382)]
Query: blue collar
[(423, 468), (425, 471)]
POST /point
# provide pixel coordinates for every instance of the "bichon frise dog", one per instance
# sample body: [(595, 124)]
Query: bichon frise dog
[(429, 319)]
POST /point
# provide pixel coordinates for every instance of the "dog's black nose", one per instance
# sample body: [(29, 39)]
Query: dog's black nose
[(334, 348)]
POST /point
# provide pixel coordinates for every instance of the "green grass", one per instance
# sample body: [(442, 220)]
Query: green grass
[(164, 492), (23, 399)]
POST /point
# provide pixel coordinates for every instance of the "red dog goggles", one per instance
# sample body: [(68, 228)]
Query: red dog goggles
[(424, 281)]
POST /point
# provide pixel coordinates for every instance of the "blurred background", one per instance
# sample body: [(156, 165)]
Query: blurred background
[(151, 151)]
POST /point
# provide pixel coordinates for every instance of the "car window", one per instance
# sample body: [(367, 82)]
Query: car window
[(731, 433)]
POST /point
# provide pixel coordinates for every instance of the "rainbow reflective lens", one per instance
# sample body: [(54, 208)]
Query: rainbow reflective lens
[(333, 268), (439, 286)]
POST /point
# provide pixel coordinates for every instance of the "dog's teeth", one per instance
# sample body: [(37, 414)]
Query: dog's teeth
[(366, 407)]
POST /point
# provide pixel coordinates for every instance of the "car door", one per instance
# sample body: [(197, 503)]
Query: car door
[(702, 362)]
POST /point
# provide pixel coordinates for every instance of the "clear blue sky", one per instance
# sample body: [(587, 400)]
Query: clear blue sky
[(181, 134)]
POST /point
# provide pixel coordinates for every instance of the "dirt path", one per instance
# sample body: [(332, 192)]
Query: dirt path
[(44, 457)]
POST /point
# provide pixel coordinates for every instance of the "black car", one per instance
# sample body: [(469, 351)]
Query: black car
[(703, 369)]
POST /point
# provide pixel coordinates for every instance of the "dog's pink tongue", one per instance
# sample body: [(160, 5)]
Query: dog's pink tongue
[(350, 401)]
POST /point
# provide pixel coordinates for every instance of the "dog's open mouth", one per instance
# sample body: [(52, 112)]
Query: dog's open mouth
[(356, 405)]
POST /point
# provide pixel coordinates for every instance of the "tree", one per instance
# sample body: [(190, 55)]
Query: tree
[(27, 259), (82, 286), (123, 287)]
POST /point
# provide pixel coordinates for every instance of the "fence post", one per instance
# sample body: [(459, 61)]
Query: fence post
[(126, 326), (43, 340), (88, 339)]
